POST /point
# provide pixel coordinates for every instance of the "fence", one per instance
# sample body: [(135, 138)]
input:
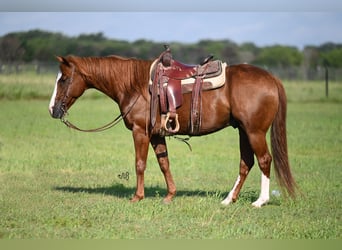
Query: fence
[(37, 68), (300, 73), (288, 73)]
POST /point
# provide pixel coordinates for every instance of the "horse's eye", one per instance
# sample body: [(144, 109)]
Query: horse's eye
[(63, 79)]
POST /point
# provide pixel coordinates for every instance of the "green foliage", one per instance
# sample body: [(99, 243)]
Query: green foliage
[(224, 49), (279, 56), (333, 58), (38, 45)]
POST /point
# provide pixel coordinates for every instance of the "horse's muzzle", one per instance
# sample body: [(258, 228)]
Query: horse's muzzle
[(57, 111)]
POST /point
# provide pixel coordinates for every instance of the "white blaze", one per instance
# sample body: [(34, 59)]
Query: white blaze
[(53, 97)]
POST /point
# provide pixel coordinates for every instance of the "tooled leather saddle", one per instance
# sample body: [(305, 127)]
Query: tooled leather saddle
[(170, 79)]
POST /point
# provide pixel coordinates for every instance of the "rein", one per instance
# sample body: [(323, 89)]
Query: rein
[(104, 127)]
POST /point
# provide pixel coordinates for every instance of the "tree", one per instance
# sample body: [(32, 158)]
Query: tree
[(279, 56), (41, 47), (226, 50), (333, 58), (97, 37), (11, 49), (248, 52)]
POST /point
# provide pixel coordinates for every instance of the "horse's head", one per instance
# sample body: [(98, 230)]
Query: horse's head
[(69, 86)]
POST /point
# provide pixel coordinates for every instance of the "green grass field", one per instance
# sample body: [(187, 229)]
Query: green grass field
[(61, 184)]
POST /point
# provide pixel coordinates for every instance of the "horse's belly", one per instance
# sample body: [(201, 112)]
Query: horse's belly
[(214, 113)]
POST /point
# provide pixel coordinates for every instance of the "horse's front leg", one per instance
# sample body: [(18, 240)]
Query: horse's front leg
[(141, 144), (160, 149)]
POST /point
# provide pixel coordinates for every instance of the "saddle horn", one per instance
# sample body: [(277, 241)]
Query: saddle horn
[(166, 57), (207, 59)]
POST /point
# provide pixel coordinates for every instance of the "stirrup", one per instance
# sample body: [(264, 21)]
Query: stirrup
[(167, 124)]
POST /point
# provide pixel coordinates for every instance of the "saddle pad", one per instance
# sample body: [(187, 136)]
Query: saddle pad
[(208, 83)]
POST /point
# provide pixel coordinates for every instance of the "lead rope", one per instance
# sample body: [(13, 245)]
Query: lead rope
[(104, 127)]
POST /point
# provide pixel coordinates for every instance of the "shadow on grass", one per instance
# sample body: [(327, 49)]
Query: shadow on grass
[(121, 191)]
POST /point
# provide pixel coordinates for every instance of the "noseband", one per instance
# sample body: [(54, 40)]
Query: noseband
[(102, 128)]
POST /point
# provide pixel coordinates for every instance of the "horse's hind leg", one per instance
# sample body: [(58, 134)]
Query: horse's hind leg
[(259, 145), (246, 163), (160, 149)]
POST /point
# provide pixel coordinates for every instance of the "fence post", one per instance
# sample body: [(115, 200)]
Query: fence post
[(326, 81)]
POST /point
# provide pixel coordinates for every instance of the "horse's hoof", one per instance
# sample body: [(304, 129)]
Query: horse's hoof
[(167, 201), (136, 199), (168, 198), (260, 202)]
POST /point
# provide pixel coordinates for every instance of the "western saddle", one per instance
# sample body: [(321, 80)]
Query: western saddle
[(167, 76)]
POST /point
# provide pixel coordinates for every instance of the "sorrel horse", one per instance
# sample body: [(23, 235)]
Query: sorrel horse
[(251, 100)]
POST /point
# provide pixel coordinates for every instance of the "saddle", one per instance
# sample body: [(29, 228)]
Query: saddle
[(170, 79)]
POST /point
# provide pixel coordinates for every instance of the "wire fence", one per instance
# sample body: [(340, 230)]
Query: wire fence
[(285, 73)]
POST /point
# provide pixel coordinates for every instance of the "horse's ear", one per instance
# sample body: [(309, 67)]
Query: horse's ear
[(63, 60)]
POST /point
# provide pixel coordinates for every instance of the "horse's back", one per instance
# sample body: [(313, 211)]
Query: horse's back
[(253, 94)]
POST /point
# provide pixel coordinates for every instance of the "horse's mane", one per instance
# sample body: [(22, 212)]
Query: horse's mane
[(129, 74)]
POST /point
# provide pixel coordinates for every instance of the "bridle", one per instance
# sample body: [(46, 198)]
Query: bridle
[(102, 128)]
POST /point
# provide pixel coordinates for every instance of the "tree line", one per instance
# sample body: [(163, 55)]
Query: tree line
[(42, 46)]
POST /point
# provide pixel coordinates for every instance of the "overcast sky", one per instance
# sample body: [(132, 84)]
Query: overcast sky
[(293, 28)]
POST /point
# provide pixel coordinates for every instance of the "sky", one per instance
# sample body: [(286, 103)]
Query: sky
[(295, 27)]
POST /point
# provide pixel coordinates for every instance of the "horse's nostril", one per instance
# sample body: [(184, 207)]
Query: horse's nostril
[(57, 111), (56, 114)]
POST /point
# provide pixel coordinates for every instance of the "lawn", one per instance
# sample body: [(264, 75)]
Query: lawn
[(58, 183)]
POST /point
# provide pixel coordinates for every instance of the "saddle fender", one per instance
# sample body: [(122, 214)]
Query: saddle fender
[(174, 94)]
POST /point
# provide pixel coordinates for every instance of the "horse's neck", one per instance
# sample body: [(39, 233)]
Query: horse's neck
[(107, 87), (118, 82), (106, 82)]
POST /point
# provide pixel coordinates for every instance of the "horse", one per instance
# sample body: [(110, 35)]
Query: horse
[(251, 100)]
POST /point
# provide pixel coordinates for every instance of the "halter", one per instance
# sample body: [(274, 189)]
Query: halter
[(102, 128)]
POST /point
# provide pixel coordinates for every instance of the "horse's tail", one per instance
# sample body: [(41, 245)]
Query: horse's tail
[(279, 146)]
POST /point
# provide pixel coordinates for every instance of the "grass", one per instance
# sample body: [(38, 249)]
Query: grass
[(61, 184)]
